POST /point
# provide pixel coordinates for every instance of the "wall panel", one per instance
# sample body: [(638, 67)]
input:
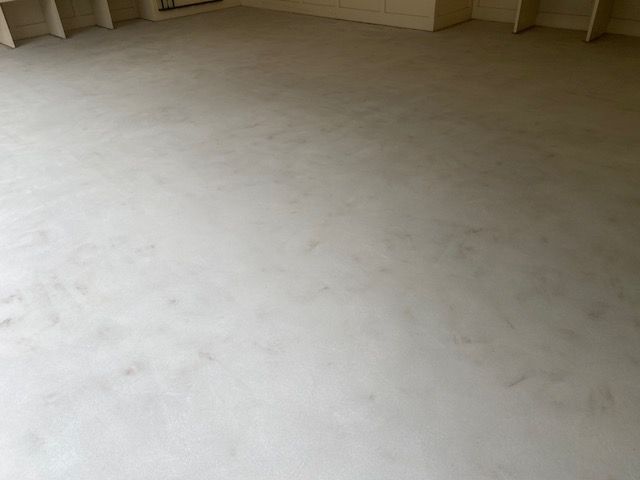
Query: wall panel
[(368, 5), (417, 14), (422, 8)]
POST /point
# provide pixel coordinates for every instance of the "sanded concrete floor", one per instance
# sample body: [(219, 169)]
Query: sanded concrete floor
[(256, 245)]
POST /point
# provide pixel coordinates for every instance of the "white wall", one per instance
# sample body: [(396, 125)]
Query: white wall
[(572, 14), (25, 17), (436, 14), (420, 14), (401, 13)]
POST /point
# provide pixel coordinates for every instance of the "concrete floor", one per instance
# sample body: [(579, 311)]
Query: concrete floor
[(255, 245)]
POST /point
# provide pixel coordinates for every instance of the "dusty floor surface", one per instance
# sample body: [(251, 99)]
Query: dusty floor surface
[(255, 245)]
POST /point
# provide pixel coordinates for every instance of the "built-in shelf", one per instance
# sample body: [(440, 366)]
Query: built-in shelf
[(51, 16), (600, 17), (407, 13), (5, 34), (102, 13), (527, 12)]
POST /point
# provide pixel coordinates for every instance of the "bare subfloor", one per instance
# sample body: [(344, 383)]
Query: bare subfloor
[(255, 245)]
